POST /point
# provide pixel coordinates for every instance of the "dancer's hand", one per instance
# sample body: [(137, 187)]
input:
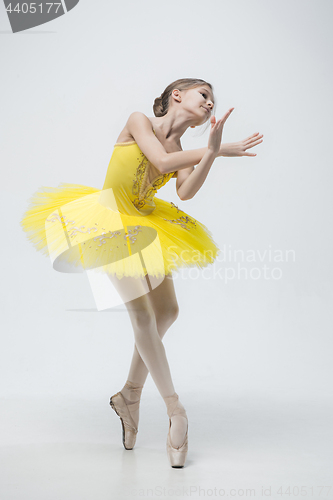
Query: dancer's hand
[(215, 136), (239, 148)]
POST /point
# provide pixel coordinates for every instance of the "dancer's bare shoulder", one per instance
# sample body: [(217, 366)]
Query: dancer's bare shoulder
[(137, 116)]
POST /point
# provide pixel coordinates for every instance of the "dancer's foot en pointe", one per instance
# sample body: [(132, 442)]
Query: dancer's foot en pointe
[(126, 405), (177, 440)]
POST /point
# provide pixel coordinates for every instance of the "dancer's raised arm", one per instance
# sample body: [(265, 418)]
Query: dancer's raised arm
[(191, 185), (140, 128)]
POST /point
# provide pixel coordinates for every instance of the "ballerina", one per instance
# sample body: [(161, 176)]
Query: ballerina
[(138, 240)]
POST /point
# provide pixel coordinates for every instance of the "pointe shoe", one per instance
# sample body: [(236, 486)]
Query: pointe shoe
[(176, 455), (118, 404)]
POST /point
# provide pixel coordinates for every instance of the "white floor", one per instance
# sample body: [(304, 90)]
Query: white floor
[(245, 447)]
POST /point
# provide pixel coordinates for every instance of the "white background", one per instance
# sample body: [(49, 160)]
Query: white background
[(250, 358)]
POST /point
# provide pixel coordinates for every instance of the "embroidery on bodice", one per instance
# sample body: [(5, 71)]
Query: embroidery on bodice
[(148, 179)]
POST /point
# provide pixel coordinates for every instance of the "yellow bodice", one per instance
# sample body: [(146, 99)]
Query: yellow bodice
[(131, 181)]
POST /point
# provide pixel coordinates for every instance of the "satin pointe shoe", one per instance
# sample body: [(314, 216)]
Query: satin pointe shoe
[(176, 455), (123, 410)]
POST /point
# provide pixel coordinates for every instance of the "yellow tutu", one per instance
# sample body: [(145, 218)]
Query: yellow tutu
[(122, 229)]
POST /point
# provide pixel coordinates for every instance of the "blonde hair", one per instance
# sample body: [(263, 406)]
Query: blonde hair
[(161, 104)]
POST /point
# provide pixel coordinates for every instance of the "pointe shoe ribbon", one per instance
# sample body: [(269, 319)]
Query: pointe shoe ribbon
[(174, 406), (176, 455)]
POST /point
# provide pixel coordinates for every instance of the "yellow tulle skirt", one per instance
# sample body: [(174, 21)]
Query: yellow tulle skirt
[(71, 225)]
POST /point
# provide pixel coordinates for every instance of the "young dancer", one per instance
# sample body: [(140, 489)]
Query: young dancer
[(138, 240)]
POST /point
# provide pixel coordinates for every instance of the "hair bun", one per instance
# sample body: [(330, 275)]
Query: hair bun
[(158, 106)]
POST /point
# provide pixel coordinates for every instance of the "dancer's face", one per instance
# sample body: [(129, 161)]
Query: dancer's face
[(200, 101)]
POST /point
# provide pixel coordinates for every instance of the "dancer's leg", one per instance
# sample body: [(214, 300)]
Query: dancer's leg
[(148, 341), (164, 302), (165, 306)]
